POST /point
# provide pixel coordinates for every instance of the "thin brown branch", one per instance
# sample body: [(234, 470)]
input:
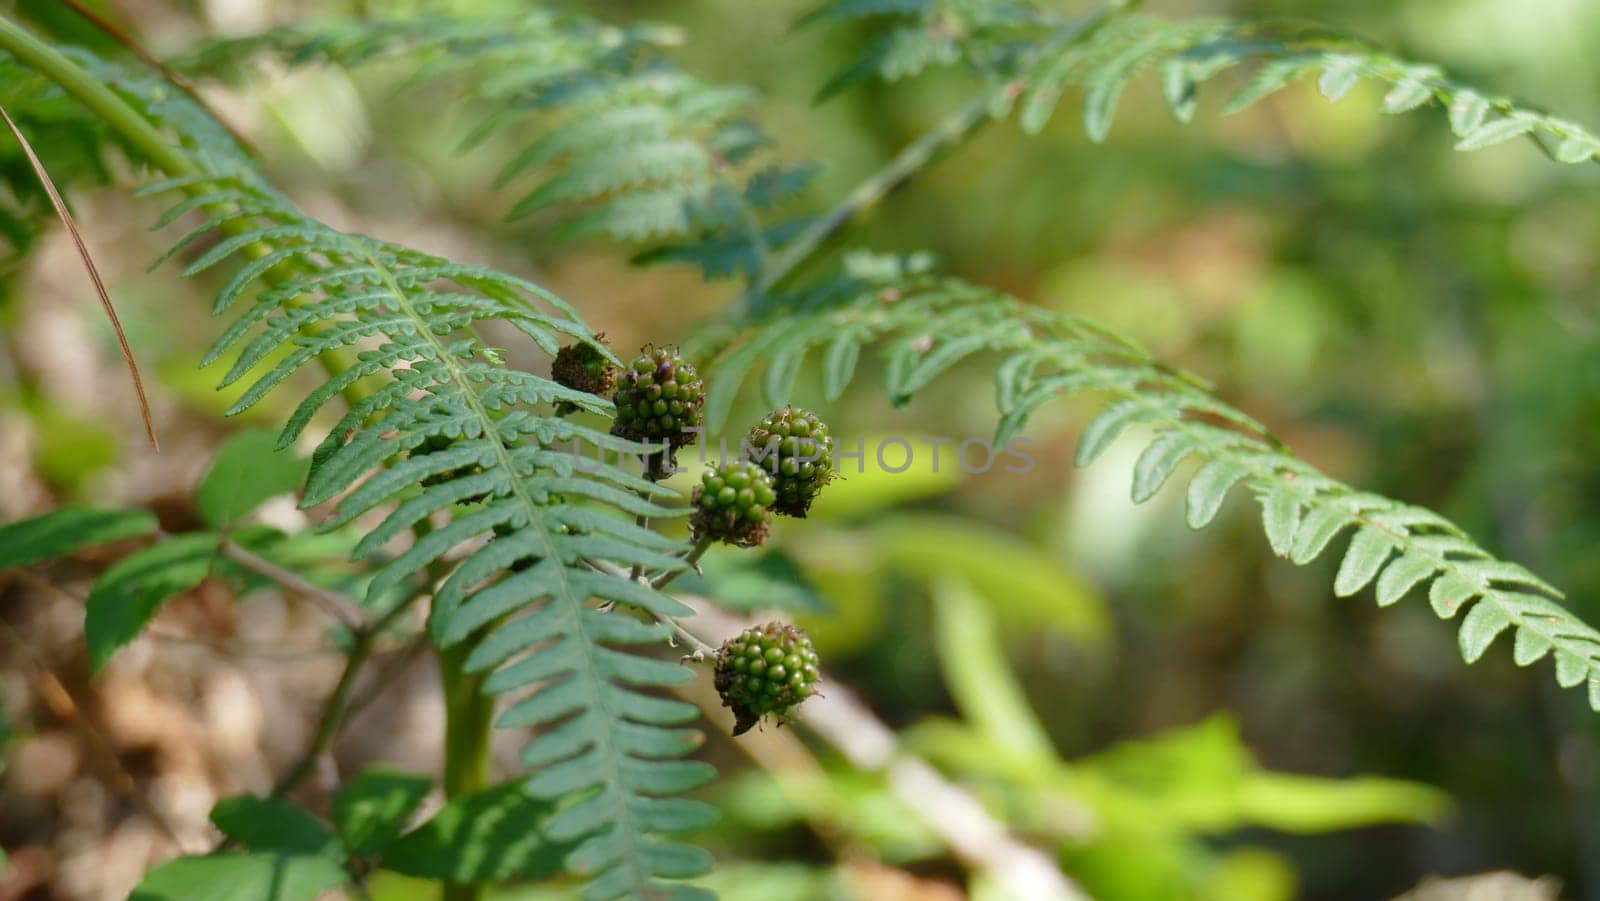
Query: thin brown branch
[(333, 603), (336, 709), (178, 81), (65, 216)]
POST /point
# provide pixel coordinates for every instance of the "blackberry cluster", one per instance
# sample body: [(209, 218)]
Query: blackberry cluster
[(732, 504), (793, 446), (765, 670), (659, 398), (582, 367)]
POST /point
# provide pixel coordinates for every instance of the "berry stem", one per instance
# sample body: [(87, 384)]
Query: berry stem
[(643, 522), (692, 559)]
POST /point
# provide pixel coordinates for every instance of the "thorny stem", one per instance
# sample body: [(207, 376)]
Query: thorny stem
[(337, 706)]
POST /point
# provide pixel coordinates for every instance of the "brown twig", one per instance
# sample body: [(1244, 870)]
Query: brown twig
[(65, 216), (143, 55), (337, 707), (336, 605)]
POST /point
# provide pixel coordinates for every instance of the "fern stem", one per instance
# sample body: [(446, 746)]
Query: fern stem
[(141, 134), (469, 718), (937, 141), (955, 130), (101, 100)]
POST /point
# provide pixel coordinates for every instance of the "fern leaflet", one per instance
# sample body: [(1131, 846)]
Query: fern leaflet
[(925, 325), (451, 430)]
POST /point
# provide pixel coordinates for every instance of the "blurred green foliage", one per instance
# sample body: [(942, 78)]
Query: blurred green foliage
[(1417, 321)]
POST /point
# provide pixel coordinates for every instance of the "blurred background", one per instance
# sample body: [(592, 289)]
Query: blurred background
[(1412, 320)]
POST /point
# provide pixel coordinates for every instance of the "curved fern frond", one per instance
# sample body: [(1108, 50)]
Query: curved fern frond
[(1002, 40), (916, 36), (925, 325), (1190, 53), (535, 511), (628, 145)]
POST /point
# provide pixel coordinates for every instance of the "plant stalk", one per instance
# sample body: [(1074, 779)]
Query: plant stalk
[(951, 132), (954, 130), (144, 137), (469, 717)]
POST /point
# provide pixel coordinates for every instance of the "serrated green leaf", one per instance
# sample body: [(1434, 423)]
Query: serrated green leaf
[(1368, 551), (1104, 429), (1339, 75), (1280, 518), (1321, 523), (247, 470), (1273, 76), (66, 530), (1449, 593), (839, 364), (1179, 89), (1570, 669), (1577, 149), (1209, 488), (1530, 646), (1156, 463), (1483, 622), (372, 809), (1497, 131), (1405, 97), (1402, 575), (1467, 112)]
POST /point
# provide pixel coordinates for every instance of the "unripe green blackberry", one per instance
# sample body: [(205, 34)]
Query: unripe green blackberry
[(582, 367), (659, 398), (793, 446), (732, 504), (765, 670)]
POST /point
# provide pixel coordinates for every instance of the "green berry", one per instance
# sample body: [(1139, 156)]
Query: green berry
[(732, 504), (765, 670), (793, 446), (659, 399)]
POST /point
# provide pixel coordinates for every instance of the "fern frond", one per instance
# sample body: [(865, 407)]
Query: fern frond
[(541, 520), (1012, 41), (628, 146), (1190, 53), (925, 325), (919, 35)]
